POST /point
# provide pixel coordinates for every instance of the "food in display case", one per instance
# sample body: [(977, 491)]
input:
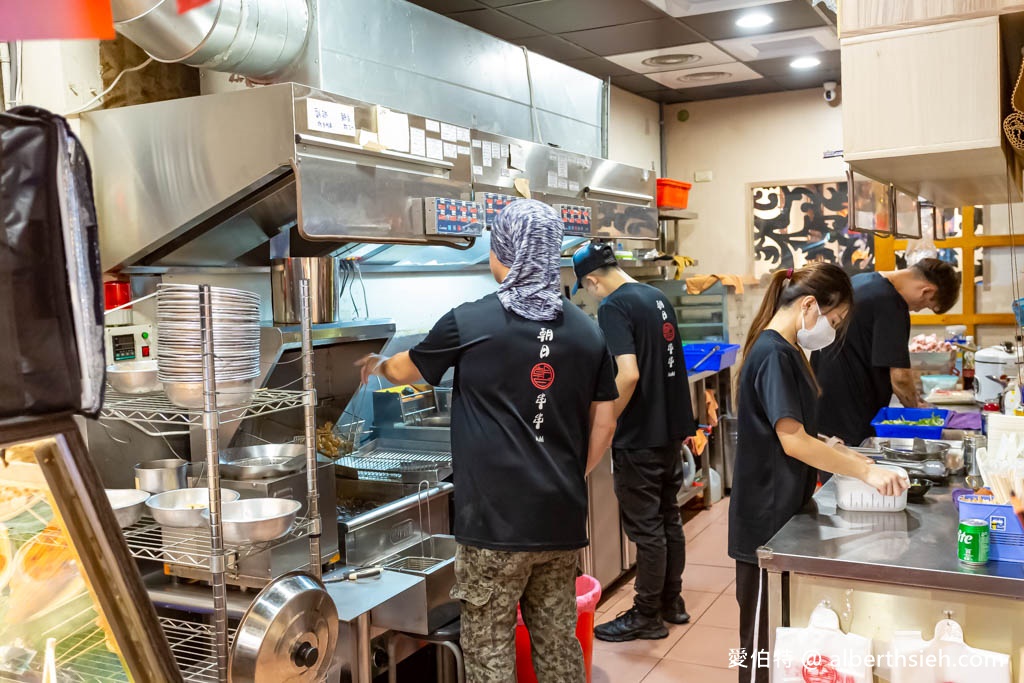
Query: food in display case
[(44, 593)]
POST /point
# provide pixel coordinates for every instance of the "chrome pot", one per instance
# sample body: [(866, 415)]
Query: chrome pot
[(324, 288)]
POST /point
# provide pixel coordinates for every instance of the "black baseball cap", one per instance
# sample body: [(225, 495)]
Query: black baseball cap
[(589, 258)]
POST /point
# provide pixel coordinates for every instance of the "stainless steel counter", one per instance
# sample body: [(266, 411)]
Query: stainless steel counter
[(915, 548)]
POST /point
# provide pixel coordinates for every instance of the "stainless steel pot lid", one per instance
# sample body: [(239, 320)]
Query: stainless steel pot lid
[(289, 633)]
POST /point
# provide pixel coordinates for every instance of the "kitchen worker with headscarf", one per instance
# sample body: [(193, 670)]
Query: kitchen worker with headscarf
[(532, 413)]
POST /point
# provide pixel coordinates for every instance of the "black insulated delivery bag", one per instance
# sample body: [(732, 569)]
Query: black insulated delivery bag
[(51, 307)]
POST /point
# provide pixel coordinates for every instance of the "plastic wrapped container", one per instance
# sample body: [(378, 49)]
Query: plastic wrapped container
[(854, 495), (932, 382)]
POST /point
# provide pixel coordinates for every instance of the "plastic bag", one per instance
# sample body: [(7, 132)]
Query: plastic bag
[(944, 658), (821, 652), (51, 308)]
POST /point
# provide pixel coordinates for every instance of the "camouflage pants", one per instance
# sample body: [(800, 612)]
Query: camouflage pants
[(490, 583)]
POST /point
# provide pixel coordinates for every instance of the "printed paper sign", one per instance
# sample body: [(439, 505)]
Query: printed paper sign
[(330, 117), (393, 129), (418, 142), (435, 149)]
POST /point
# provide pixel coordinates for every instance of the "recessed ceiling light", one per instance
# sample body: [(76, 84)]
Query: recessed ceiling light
[(705, 76), (671, 60), (805, 62), (754, 20)]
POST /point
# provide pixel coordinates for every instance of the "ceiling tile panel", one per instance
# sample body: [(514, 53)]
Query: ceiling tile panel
[(563, 16), (684, 8), (812, 78), (505, 3), (701, 77), (555, 48), (780, 66), (668, 96), (497, 24), (714, 92), (635, 83), (775, 45), (706, 54), (786, 16), (643, 35), (599, 66), (446, 6)]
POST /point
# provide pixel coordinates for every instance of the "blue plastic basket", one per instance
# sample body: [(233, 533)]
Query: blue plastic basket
[(1018, 311), (1005, 533), (909, 431), (725, 357)]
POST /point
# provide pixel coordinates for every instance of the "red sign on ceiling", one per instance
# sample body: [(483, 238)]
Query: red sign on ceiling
[(55, 19)]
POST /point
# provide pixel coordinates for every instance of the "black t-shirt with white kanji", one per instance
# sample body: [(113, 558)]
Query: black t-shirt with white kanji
[(520, 421), (854, 373), (639, 320), (769, 486)]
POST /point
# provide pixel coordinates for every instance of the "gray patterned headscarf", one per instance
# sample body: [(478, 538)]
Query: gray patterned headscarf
[(527, 237)]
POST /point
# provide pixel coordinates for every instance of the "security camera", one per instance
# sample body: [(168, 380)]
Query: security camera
[(831, 91)]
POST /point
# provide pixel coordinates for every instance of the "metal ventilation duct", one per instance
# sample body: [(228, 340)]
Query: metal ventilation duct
[(253, 38)]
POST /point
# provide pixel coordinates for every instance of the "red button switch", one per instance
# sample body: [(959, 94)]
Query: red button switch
[(145, 352)]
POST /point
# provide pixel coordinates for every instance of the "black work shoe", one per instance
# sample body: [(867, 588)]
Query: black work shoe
[(631, 625), (675, 611)]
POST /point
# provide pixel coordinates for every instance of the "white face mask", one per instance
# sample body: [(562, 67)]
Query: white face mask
[(819, 336)]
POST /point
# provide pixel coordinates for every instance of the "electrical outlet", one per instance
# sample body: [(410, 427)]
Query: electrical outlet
[(702, 176)]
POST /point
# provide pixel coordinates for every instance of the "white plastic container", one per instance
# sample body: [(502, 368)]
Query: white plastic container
[(854, 495)]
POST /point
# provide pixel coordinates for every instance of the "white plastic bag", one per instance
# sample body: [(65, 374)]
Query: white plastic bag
[(944, 658), (821, 652)]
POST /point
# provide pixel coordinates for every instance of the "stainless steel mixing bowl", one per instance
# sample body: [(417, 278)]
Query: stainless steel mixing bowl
[(185, 507), (128, 504), (256, 520), (262, 462), (134, 377)]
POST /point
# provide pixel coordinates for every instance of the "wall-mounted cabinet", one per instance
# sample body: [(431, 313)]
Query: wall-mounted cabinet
[(858, 17), (923, 109)]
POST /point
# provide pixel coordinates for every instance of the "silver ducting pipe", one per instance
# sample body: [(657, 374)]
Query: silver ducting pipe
[(253, 38)]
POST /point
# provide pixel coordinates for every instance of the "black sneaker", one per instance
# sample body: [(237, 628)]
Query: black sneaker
[(675, 611), (631, 625)]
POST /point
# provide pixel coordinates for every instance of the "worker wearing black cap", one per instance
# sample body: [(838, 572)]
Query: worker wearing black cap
[(655, 414)]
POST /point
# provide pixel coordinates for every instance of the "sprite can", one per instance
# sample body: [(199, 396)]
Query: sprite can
[(972, 541)]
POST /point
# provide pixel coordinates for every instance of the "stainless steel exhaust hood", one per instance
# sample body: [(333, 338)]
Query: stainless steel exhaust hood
[(211, 180), (597, 198)]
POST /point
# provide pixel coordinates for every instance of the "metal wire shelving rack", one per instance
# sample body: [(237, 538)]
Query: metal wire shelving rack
[(202, 650), (147, 540), (146, 413)]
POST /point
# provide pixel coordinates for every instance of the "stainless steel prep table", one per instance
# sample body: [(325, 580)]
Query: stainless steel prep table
[(886, 571), (355, 601)]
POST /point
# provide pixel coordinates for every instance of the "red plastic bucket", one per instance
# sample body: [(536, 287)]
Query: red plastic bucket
[(588, 594)]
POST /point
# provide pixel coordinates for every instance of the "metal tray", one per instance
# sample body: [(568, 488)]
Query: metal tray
[(395, 460)]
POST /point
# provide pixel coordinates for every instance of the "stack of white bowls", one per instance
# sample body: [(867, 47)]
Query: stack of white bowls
[(236, 344)]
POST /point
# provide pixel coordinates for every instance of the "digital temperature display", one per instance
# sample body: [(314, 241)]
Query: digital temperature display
[(575, 218), (493, 204), (454, 217)]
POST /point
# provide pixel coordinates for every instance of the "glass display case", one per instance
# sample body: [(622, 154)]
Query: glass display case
[(72, 603)]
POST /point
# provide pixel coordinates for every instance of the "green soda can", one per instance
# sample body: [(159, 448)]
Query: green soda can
[(972, 541)]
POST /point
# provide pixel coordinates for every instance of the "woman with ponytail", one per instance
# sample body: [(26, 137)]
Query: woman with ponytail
[(779, 453)]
